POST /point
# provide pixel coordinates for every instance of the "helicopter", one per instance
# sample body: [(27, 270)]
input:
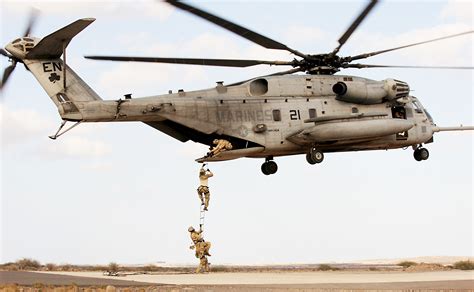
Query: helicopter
[(264, 117)]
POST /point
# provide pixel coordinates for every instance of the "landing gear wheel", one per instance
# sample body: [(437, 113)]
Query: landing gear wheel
[(421, 154), (314, 156), (416, 155), (424, 153), (269, 167)]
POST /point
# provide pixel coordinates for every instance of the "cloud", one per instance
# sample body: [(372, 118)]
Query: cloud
[(146, 78), (299, 35), (461, 11), (455, 51), (18, 126), (149, 76), (24, 126), (105, 8), (450, 52), (75, 147)]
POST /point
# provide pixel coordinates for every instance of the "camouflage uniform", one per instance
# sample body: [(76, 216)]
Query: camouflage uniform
[(221, 145), (201, 249), (203, 265), (195, 235), (203, 189)]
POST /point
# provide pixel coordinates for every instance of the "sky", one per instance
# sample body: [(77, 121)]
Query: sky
[(126, 193)]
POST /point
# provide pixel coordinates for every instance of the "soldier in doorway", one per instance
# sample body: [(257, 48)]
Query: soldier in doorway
[(203, 189), (221, 145)]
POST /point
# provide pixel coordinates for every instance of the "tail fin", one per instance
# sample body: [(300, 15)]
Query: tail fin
[(63, 85)]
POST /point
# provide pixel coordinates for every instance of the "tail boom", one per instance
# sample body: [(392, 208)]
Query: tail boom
[(42, 58)]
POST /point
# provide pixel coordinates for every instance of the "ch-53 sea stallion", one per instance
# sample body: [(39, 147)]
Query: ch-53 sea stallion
[(264, 117)]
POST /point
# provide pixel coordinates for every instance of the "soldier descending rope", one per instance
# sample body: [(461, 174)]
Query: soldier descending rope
[(201, 248), (203, 189)]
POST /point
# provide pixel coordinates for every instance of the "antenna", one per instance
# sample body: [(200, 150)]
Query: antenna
[(65, 66)]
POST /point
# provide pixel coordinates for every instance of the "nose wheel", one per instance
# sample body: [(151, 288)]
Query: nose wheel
[(421, 153), (314, 156), (269, 167)]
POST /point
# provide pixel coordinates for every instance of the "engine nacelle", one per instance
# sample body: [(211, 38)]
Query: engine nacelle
[(366, 92)]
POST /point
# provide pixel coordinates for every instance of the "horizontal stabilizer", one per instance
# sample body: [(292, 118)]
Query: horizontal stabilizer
[(51, 46)]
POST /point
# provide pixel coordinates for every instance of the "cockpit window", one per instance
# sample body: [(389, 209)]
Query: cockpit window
[(28, 39), (430, 118), (16, 41), (417, 107)]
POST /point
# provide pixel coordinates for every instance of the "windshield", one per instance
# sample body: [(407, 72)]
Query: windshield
[(419, 109), (430, 118)]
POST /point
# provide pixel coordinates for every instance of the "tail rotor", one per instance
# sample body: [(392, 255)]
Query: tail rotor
[(9, 70)]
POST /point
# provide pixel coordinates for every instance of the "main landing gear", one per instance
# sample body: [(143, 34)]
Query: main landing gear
[(314, 156), (269, 166), (421, 153)]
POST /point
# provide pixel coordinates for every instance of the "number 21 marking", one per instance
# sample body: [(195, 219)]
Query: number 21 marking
[(295, 115)]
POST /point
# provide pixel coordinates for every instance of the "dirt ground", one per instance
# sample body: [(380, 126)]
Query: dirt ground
[(439, 286), (287, 278), (327, 281), (230, 282)]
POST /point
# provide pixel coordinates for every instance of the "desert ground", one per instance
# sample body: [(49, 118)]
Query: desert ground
[(426, 274), (285, 278), (453, 280)]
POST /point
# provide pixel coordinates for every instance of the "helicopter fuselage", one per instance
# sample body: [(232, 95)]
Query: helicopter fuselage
[(271, 116)]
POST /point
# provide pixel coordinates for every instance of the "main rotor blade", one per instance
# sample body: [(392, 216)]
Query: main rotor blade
[(298, 69), (31, 22), (342, 40), (366, 55), (6, 74), (192, 61), (362, 66), (295, 70), (235, 28), (4, 53)]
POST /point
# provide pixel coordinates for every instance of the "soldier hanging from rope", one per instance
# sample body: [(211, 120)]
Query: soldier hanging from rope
[(200, 245), (201, 248), (203, 265), (203, 189)]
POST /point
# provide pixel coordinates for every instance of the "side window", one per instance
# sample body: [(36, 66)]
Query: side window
[(276, 115), (312, 113), (398, 112)]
